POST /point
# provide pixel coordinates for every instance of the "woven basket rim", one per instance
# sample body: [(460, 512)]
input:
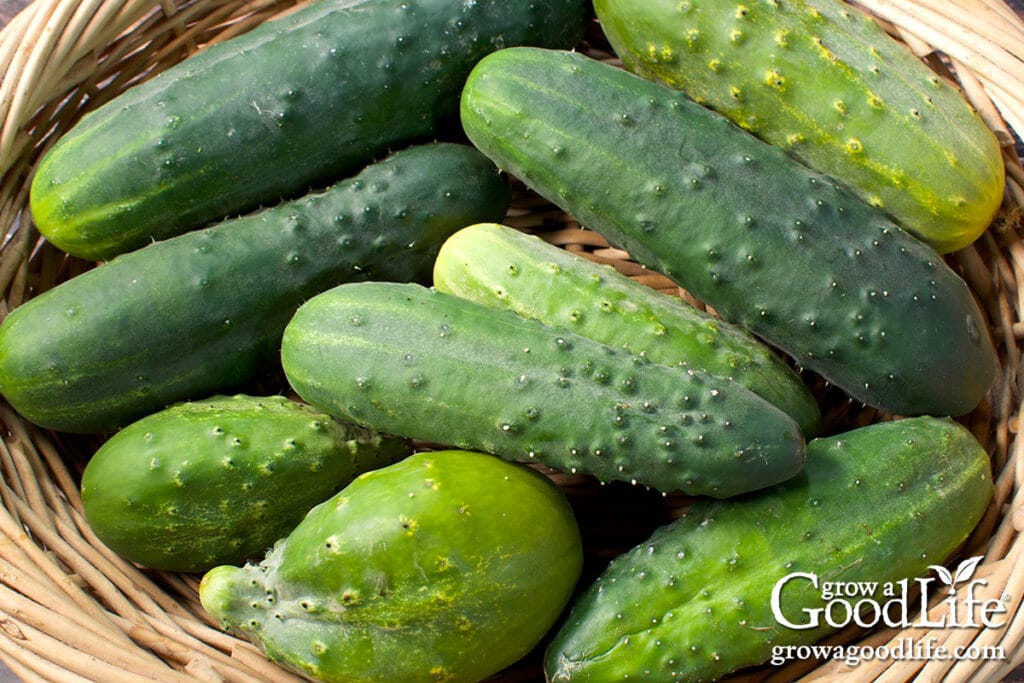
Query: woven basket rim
[(72, 610)]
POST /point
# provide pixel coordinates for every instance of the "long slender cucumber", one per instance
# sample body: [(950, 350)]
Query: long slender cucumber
[(203, 312), (407, 360), (872, 508), (770, 244), (293, 104)]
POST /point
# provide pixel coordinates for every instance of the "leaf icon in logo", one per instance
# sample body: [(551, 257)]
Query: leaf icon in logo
[(944, 574), (964, 571)]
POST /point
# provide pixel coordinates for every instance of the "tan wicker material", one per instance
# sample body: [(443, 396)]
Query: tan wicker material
[(70, 610)]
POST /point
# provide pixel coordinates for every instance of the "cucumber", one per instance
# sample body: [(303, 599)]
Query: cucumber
[(768, 243), (505, 268), (428, 570), (407, 360), (222, 479), (203, 313), (293, 104), (826, 83), (694, 602)]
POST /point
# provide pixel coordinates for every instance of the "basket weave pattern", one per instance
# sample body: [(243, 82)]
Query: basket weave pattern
[(71, 610)]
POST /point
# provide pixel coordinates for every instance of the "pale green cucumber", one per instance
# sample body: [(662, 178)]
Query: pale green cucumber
[(430, 570), (505, 268), (826, 83)]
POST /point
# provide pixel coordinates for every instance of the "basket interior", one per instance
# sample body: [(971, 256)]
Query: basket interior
[(72, 610)]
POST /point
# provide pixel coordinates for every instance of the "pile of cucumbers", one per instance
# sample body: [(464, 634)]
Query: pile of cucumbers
[(324, 364)]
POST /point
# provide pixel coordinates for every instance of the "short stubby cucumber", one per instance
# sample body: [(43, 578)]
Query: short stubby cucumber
[(501, 267), (768, 243), (695, 601), (428, 570), (416, 362), (293, 104), (826, 83), (203, 313), (220, 480)]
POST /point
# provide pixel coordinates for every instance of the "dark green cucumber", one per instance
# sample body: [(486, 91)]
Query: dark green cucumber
[(428, 570), (407, 360), (203, 313), (770, 244), (221, 480), (826, 83), (505, 268), (694, 602), (293, 104)]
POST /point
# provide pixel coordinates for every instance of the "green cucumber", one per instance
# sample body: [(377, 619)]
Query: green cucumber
[(203, 313), (293, 104), (826, 83), (768, 243), (222, 479), (694, 602), (428, 570), (415, 362), (505, 268)]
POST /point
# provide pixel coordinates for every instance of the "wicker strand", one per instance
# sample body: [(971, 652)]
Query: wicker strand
[(29, 666), (26, 75), (41, 625), (980, 51)]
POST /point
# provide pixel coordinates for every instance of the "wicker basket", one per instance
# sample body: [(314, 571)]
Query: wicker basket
[(71, 610)]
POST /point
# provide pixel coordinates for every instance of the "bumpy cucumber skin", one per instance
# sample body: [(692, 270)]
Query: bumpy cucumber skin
[(412, 361), (428, 570), (770, 244), (693, 602), (221, 480), (293, 104), (203, 313), (824, 81), (505, 268)]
